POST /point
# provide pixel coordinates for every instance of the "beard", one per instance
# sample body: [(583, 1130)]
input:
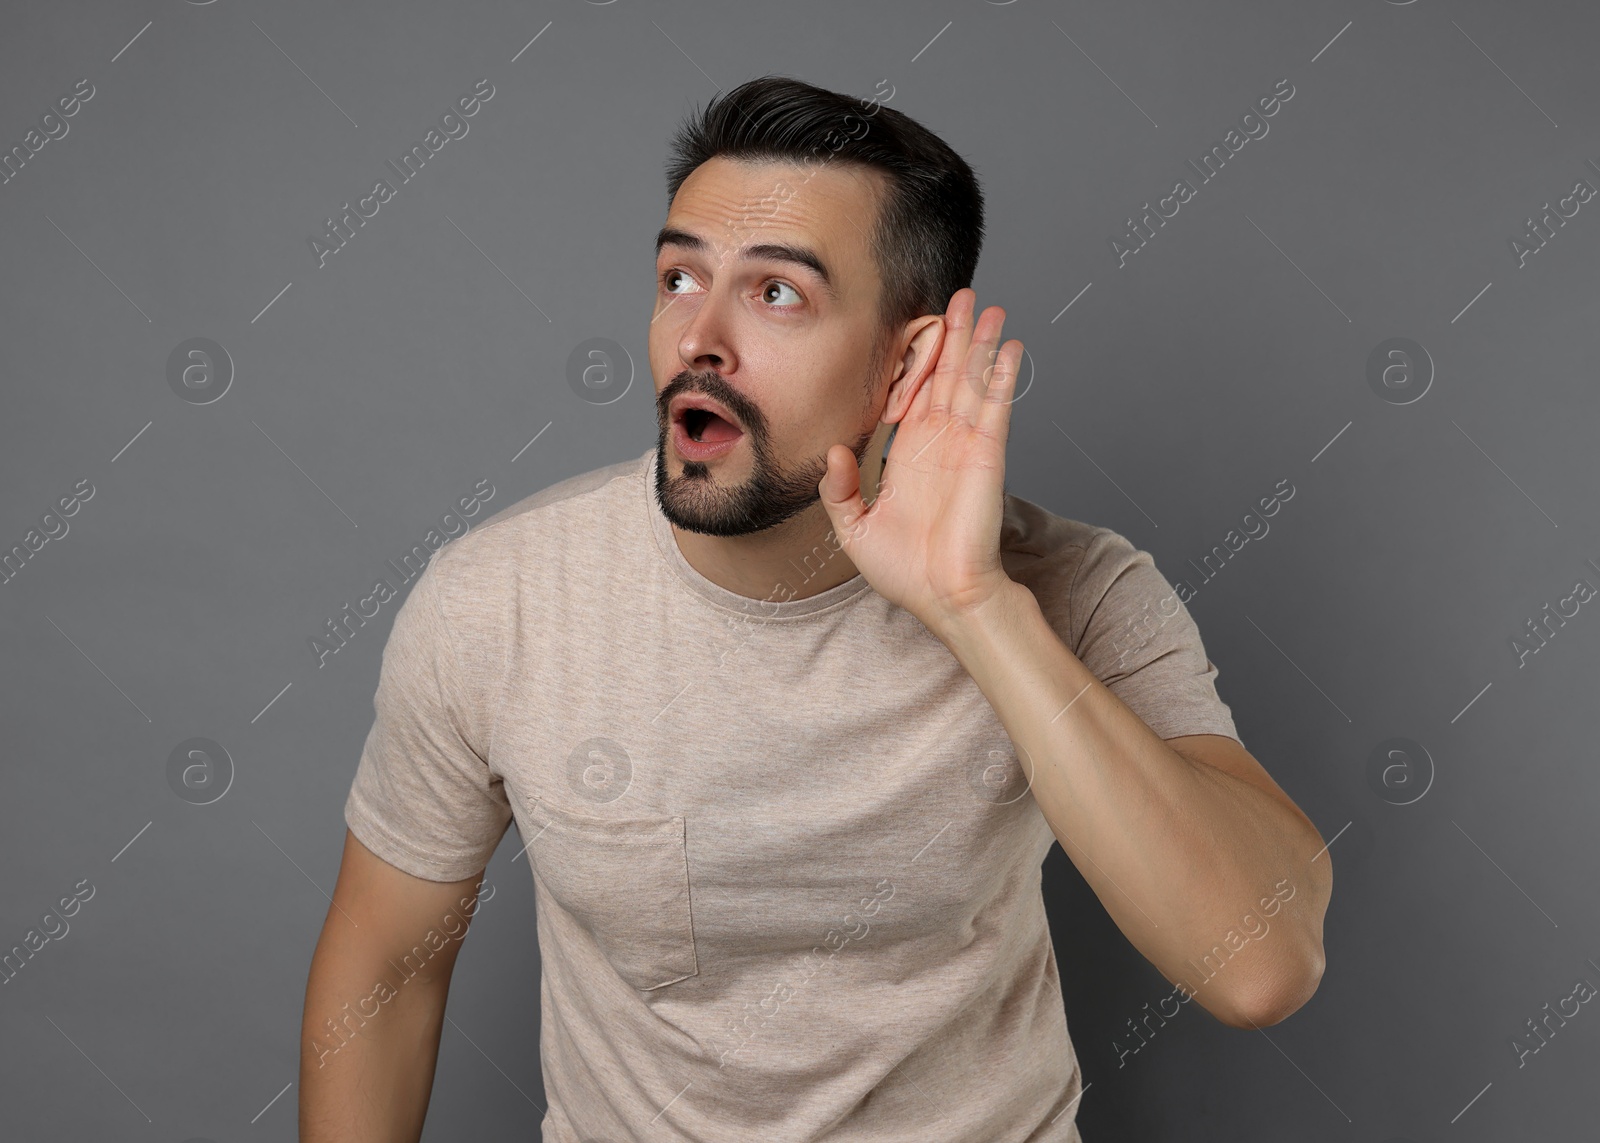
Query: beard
[(775, 491)]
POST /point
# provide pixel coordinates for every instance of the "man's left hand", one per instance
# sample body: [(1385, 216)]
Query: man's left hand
[(930, 542)]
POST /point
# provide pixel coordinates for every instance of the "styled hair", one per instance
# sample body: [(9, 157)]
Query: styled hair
[(929, 229)]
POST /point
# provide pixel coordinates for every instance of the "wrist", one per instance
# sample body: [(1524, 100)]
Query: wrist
[(1005, 609)]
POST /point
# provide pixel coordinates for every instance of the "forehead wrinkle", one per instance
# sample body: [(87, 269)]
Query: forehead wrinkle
[(729, 192)]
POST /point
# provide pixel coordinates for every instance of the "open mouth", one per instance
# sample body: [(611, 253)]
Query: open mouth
[(704, 426)]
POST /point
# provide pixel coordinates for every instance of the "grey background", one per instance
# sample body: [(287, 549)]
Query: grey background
[(1175, 392)]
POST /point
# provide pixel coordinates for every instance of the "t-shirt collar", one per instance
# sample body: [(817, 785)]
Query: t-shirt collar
[(777, 607)]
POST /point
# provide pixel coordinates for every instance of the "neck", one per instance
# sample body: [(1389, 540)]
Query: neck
[(794, 560)]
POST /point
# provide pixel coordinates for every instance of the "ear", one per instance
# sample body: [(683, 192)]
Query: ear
[(924, 338)]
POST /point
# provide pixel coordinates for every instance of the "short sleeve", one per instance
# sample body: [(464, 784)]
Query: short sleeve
[(1133, 631), (423, 798)]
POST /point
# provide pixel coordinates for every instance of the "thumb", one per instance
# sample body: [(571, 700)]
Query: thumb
[(840, 490)]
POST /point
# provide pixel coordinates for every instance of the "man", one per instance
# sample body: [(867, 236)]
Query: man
[(787, 728)]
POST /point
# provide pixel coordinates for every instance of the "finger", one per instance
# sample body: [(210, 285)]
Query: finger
[(840, 491), (995, 414), (957, 340), (979, 365)]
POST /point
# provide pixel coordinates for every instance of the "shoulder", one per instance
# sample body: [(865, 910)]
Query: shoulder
[(1044, 551), (598, 489), (597, 484), (1071, 566), (478, 578), (504, 540)]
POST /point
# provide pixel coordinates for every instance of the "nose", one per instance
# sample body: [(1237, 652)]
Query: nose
[(704, 343)]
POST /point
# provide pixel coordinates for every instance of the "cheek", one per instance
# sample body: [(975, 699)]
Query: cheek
[(663, 362), (836, 416)]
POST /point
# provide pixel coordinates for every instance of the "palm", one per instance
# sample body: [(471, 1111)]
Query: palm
[(930, 541)]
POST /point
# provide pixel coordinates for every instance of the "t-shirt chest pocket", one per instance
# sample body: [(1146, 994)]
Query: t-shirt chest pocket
[(626, 881)]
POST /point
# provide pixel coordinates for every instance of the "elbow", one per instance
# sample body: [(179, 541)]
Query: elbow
[(1292, 978), (1272, 1002)]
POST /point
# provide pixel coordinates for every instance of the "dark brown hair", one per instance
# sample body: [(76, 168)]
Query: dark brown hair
[(929, 229)]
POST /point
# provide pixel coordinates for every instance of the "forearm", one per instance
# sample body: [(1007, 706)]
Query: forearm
[(1177, 852), (366, 1078)]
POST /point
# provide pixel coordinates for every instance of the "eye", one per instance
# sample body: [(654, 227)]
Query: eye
[(669, 276), (777, 285)]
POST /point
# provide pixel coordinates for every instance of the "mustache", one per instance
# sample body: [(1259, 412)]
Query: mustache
[(712, 385)]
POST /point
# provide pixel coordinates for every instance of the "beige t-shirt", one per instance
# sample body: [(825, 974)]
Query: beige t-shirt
[(786, 863)]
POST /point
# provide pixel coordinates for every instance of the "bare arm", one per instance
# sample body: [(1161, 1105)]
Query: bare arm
[(375, 1000), (1178, 842)]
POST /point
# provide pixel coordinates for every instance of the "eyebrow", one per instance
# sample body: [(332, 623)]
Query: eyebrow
[(763, 251)]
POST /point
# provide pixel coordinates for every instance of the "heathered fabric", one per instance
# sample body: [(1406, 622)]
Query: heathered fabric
[(786, 864)]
